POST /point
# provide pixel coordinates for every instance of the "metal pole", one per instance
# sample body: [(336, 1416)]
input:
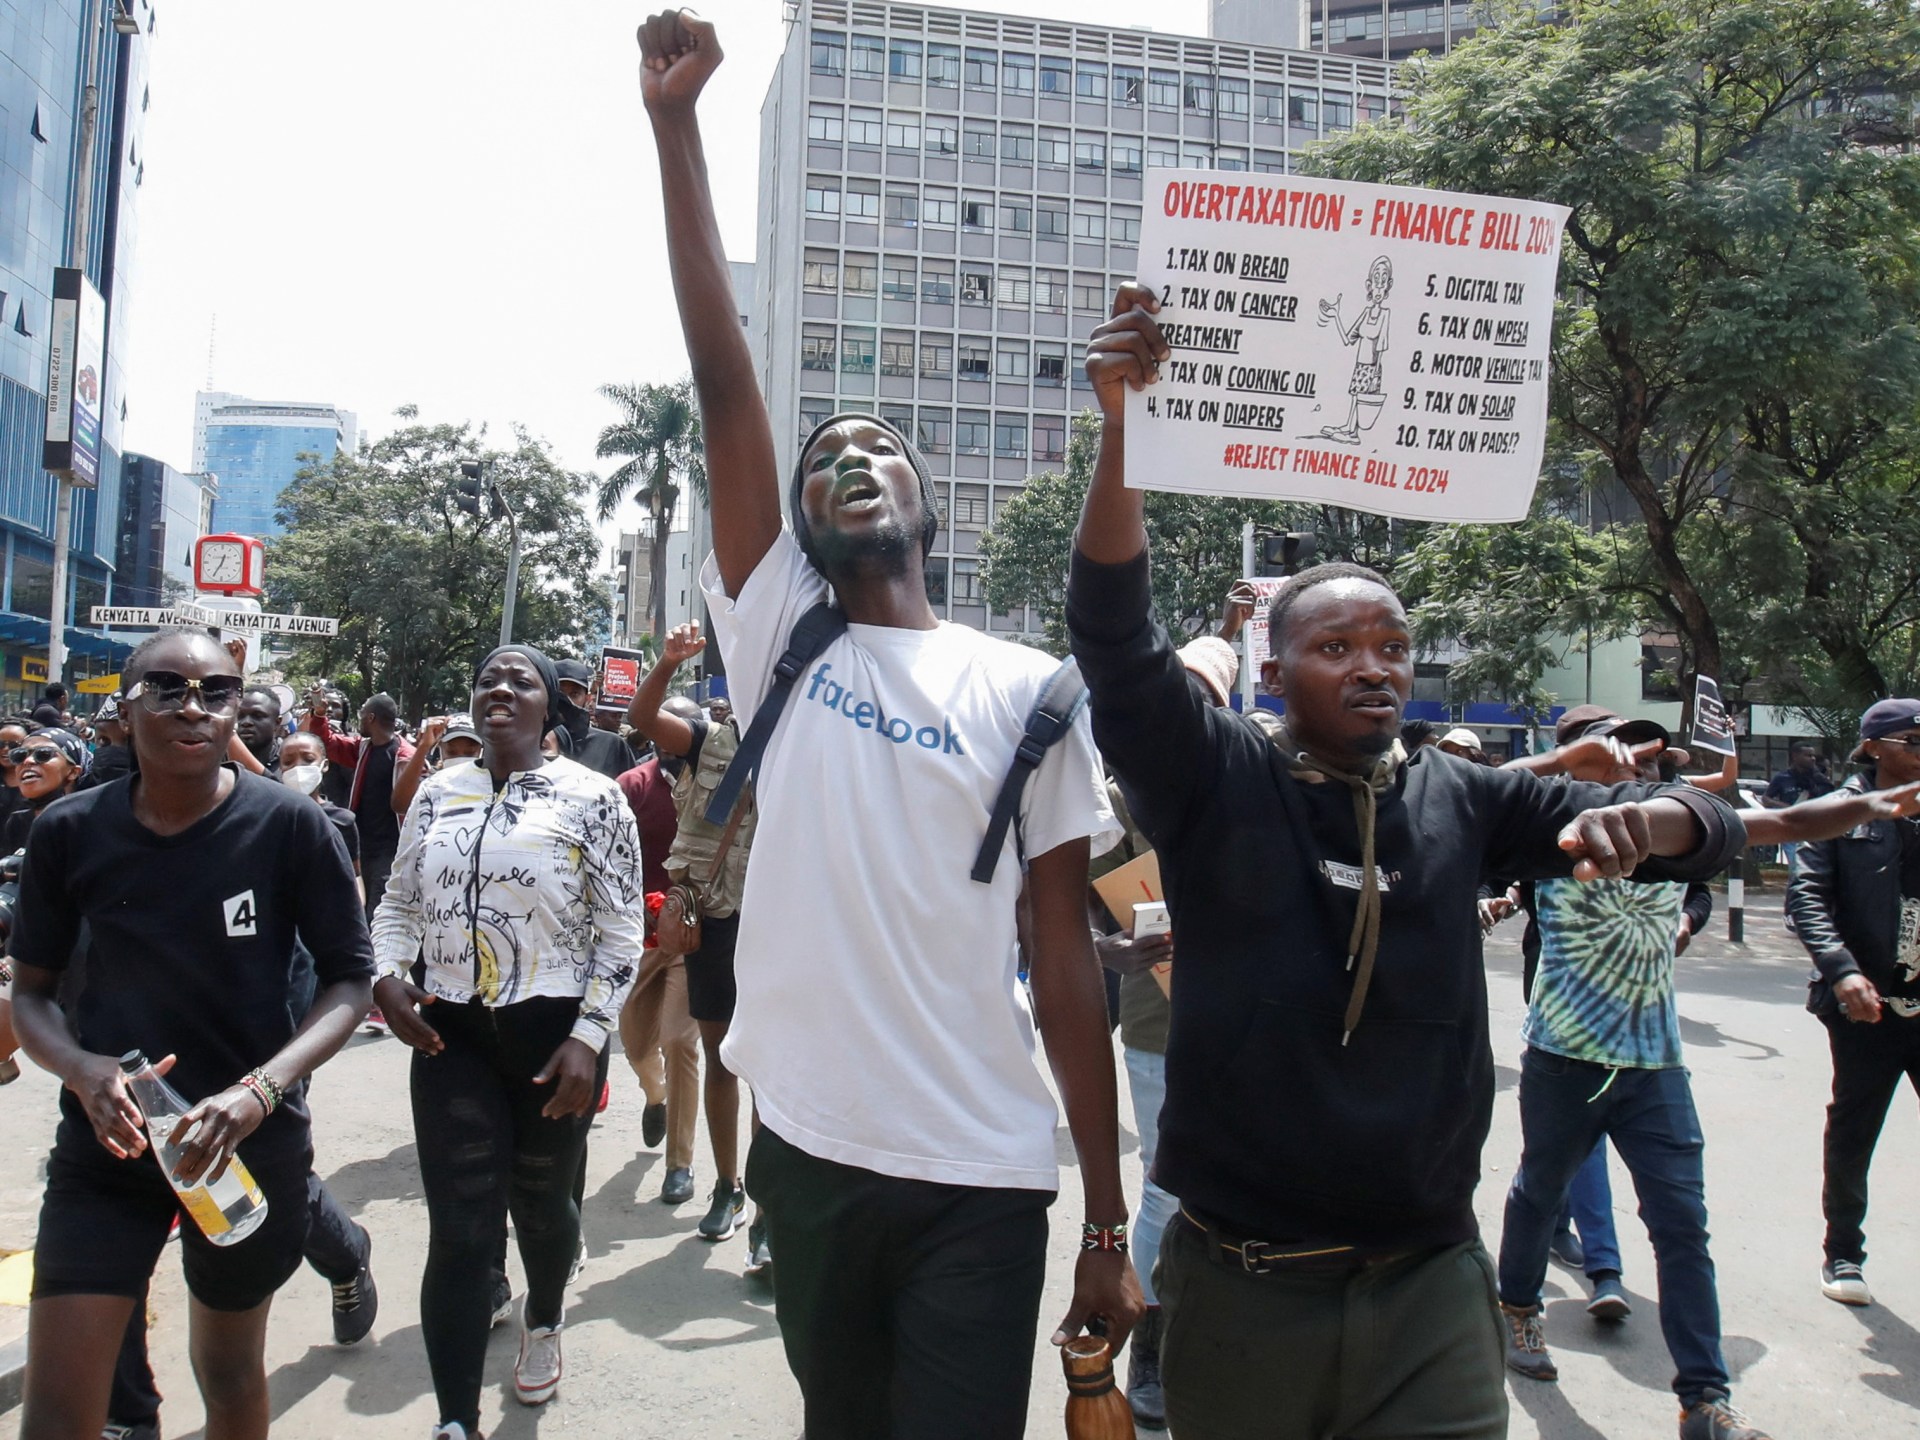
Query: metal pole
[(76, 257), (513, 569)]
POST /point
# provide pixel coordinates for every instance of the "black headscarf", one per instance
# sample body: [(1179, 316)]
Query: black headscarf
[(929, 498), (543, 667)]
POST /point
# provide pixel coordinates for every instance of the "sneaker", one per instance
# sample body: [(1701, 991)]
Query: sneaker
[(1609, 1300), (653, 1125), (1527, 1342), (1712, 1417), (759, 1248), (1145, 1396), (1845, 1281), (138, 1430), (606, 1097), (355, 1303), (678, 1186), (377, 1023), (502, 1303), (579, 1261), (536, 1374), (1568, 1250), (729, 1203), (454, 1430)]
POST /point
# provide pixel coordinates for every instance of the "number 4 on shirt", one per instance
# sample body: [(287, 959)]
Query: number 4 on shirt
[(242, 918)]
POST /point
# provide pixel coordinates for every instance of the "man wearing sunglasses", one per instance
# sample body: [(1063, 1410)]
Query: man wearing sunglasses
[(190, 884), (1855, 905)]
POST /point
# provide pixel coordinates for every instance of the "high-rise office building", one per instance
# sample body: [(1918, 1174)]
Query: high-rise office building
[(162, 512), (43, 52), (1377, 29), (255, 448), (948, 200)]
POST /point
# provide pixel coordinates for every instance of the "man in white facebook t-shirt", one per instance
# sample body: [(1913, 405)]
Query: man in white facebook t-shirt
[(905, 1152)]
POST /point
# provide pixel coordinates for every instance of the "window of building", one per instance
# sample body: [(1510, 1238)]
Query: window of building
[(899, 277), (972, 434), (1011, 360), (966, 577), (823, 124), (856, 352), (936, 282), (1126, 225), (1090, 154), (936, 358), (903, 205), (1013, 287), (897, 355), (1163, 89), (860, 274), (864, 128), (1050, 220), (1303, 109), (1198, 157), (1126, 157), (976, 285), (820, 271), (943, 65), (1090, 80), (1050, 292), (1016, 73), (1338, 113), (969, 501), (829, 53), (903, 130), (862, 200), (1271, 162), (1010, 437), (934, 433), (869, 56), (1016, 144), (943, 137), (1090, 294), (1232, 93), (1162, 154), (1049, 437), (815, 411), (1089, 223), (817, 349), (823, 195), (937, 570), (1016, 215), (1269, 101), (903, 60), (1197, 95), (976, 213), (1056, 149), (900, 417), (1056, 75), (982, 70), (1230, 157), (1129, 85), (976, 358), (977, 142)]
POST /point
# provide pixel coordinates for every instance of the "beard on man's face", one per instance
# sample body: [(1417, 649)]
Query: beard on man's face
[(886, 552)]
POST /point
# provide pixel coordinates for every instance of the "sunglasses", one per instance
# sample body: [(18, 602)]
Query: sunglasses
[(1912, 742), (39, 754), (162, 691)]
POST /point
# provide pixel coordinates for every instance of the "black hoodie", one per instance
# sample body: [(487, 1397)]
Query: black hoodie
[(1273, 1128)]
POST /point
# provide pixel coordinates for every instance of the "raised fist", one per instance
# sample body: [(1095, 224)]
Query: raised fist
[(682, 643), (678, 52)]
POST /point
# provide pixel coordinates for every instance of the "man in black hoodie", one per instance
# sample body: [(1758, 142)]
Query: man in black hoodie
[(1329, 1077), (1855, 904)]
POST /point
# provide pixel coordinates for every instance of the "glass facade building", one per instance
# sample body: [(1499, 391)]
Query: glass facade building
[(255, 448), (162, 512), (42, 49), (948, 200)]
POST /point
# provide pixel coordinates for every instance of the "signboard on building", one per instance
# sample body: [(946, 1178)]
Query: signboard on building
[(149, 617), (1376, 347), (76, 379)]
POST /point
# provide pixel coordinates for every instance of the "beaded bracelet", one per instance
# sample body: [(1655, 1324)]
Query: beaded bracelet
[(264, 1088), (1104, 1237)]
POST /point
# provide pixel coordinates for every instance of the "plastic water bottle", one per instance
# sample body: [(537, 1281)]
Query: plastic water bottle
[(226, 1211)]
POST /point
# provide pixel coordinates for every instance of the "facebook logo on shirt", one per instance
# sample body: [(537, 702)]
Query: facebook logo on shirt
[(869, 716)]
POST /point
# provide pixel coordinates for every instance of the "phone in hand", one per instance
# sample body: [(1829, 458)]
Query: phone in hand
[(1150, 920)]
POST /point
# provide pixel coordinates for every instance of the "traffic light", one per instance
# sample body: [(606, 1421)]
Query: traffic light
[(468, 489), (1290, 552)]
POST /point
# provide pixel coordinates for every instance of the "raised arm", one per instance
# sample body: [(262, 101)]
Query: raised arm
[(1124, 354), (678, 54), (1831, 816), (669, 733), (407, 783)]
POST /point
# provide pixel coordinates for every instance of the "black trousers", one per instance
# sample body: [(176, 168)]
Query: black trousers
[(908, 1309), (485, 1149), (1869, 1062)]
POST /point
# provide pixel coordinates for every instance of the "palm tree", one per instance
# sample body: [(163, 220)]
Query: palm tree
[(658, 435)]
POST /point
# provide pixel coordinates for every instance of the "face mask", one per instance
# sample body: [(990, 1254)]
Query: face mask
[(303, 778), (578, 721)]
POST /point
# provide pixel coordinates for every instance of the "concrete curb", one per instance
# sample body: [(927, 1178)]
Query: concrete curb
[(13, 1373)]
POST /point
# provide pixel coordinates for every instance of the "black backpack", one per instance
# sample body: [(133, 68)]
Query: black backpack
[(1053, 714)]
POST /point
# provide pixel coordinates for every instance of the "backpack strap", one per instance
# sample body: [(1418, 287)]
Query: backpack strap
[(1061, 699), (812, 633)]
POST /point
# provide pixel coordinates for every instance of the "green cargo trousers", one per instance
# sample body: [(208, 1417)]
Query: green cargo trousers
[(1409, 1349)]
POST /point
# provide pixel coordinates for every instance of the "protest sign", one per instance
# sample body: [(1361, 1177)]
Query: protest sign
[(619, 679), (1264, 588), (1713, 727), (1134, 883), (1371, 346)]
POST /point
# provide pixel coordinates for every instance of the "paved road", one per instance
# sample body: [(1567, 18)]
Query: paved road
[(666, 1338)]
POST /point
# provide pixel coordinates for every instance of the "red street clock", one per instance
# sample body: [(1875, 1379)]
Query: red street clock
[(229, 564)]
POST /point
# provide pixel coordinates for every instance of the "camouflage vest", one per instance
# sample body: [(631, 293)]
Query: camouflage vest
[(697, 842)]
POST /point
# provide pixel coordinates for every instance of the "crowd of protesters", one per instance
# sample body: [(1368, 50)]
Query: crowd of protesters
[(230, 882)]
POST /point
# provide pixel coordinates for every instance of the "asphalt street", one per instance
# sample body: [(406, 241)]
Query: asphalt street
[(665, 1337)]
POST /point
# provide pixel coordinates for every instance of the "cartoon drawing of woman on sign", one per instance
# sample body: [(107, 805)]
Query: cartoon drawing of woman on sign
[(1368, 335)]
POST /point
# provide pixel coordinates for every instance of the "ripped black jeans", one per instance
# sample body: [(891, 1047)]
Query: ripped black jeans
[(486, 1150)]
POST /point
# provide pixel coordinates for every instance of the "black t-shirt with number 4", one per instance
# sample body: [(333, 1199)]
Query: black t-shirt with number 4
[(190, 936)]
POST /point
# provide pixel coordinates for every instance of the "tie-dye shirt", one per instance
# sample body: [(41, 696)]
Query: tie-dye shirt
[(1604, 991)]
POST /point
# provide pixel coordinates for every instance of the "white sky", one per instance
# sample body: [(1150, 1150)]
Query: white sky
[(454, 205)]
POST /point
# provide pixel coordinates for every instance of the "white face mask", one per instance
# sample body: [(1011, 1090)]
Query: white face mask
[(304, 778)]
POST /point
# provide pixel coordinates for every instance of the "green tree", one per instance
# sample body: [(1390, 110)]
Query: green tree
[(376, 540), (658, 435), (1736, 349), (1195, 542)]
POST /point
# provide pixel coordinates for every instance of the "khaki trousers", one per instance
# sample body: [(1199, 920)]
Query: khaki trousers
[(662, 1044)]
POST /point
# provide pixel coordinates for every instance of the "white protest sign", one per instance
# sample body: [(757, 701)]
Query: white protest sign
[(1264, 588), (1371, 346), (152, 617)]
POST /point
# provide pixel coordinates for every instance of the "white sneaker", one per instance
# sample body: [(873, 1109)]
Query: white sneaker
[(1844, 1281), (536, 1374), (452, 1430)]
